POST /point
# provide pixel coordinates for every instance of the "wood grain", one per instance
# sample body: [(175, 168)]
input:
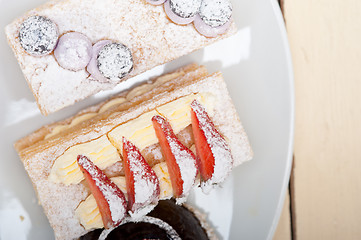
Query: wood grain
[(325, 40), (283, 231)]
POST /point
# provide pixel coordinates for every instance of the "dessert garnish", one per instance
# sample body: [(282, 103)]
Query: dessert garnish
[(215, 156), (215, 13), (214, 17), (182, 11), (92, 67), (143, 185), (211, 17), (105, 61), (142, 182), (38, 35), (181, 161), (58, 81), (74, 51), (115, 61), (110, 199)]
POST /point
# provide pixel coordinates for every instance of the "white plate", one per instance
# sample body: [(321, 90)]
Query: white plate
[(257, 67)]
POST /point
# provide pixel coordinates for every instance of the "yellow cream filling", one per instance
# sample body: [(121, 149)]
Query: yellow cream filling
[(66, 170), (88, 212), (86, 116), (75, 121), (137, 91), (112, 103), (140, 131)]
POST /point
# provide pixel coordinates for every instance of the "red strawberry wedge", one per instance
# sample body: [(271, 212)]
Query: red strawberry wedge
[(110, 199), (181, 161), (215, 156), (142, 182)]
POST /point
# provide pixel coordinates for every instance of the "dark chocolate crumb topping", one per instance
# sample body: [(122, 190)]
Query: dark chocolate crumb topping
[(38, 35)]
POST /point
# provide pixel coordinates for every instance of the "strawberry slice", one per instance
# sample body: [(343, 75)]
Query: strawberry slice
[(215, 156), (181, 161), (142, 182), (110, 199)]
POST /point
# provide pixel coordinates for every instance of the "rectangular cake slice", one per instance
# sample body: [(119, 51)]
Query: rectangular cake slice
[(58, 80), (50, 154)]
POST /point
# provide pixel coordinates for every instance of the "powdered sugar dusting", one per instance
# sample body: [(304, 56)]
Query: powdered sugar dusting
[(59, 201), (144, 28), (38, 35), (156, 152), (175, 17), (223, 161), (184, 157), (185, 8), (215, 13), (92, 66), (110, 191), (74, 51), (186, 163), (146, 183), (141, 212), (115, 61)]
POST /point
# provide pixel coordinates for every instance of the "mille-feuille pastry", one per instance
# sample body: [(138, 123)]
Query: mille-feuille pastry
[(115, 161), (71, 49)]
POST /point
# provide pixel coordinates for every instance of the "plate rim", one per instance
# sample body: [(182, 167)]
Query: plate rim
[(286, 46)]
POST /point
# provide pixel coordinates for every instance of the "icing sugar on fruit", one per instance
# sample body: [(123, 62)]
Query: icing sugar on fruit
[(71, 207), (103, 151), (182, 11), (58, 78), (185, 8), (114, 61), (110, 199), (215, 167), (142, 182), (106, 61), (145, 185), (180, 160), (210, 17), (38, 35), (74, 51), (109, 61)]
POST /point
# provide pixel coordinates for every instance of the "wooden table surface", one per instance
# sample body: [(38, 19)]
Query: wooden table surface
[(324, 201)]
